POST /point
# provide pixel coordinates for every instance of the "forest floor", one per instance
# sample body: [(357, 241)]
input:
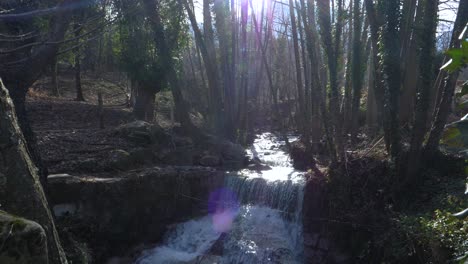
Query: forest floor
[(68, 131)]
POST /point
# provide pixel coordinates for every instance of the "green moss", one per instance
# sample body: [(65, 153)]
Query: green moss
[(18, 224)]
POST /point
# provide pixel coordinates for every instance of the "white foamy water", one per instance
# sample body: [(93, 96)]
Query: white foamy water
[(186, 242), (268, 149), (259, 212)]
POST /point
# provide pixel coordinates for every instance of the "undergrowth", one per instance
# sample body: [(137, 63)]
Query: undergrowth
[(424, 231)]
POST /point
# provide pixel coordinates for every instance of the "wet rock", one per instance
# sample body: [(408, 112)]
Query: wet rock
[(232, 155), (142, 132), (206, 259), (175, 157), (120, 159), (218, 247), (302, 157), (258, 167), (142, 155), (210, 161), (280, 255), (23, 241)]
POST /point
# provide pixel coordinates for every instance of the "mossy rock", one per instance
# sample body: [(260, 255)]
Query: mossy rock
[(21, 241)]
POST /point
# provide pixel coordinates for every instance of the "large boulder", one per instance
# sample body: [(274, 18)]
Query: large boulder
[(21, 241), (301, 156), (142, 132), (210, 161), (232, 156)]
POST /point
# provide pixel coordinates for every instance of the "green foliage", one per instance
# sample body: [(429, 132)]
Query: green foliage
[(455, 135), (134, 44), (459, 58), (448, 230)]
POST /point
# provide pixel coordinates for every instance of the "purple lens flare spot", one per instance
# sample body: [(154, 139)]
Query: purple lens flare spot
[(223, 206)]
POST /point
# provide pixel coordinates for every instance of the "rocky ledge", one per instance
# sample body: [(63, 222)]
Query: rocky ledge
[(117, 213)]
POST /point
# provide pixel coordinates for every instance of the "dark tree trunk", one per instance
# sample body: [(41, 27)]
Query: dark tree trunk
[(390, 59), (426, 39), (165, 53), (448, 85), (54, 80), (78, 87), (144, 103), (356, 69)]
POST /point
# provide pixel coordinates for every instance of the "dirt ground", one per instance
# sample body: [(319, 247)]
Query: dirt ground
[(68, 131)]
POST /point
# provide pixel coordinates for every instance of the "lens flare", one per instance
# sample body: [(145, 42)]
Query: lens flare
[(223, 207)]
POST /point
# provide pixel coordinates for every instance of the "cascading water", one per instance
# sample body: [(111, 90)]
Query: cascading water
[(255, 218)]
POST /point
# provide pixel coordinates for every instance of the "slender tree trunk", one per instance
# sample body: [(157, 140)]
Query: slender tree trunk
[(347, 113), (371, 113), (356, 69), (144, 102), (165, 53), (410, 63), (54, 81), (297, 59), (374, 25), (78, 87), (392, 72), (206, 44), (221, 11), (330, 48), (426, 40), (306, 71), (448, 85)]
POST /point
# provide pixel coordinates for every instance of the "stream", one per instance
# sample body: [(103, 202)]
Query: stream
[(255, 218)]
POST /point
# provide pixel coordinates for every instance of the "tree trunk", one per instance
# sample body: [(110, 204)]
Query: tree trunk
[(206, 44), (448, 85), (392, 72), (331, 48), (356, 69), (297, 59), (221, 11), (426, 40), (144, 103), (79, 90), (374, 25), (410, 63), (165, 53), (347, 113), (54, 81), (20, 190), (371, 114)]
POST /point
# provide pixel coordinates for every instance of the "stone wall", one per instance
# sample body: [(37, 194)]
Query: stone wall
[(135, 207)]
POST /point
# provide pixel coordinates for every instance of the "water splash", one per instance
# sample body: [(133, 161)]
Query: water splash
[(267, 228)]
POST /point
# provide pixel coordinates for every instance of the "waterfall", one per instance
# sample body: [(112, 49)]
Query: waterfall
[(255, 218)]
